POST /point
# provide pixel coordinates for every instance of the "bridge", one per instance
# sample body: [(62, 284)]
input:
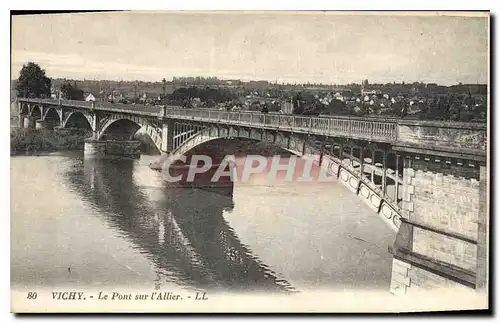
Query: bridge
[(427, 180)]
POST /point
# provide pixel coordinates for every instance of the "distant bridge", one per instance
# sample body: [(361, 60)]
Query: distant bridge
[(425, 179)]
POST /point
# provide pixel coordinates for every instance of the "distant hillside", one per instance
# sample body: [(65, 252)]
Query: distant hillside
[(129, 89)]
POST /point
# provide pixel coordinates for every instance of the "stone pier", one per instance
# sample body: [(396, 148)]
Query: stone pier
[(105, 148), (20, 121), (29, 122), (41, 124), (442, 241)]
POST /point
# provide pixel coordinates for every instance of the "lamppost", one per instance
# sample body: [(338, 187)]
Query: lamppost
[(164, 96)]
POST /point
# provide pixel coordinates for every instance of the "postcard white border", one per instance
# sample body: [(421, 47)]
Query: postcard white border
[(186, 5)]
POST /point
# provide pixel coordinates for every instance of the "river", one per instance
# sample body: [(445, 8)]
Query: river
[(89, 223)]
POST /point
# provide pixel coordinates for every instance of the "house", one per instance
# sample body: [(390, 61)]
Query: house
[(196, 102), (338, 96), (90, 97), (55, 93), (115, 96)]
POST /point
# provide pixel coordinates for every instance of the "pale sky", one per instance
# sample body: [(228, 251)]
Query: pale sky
[(294, 47)]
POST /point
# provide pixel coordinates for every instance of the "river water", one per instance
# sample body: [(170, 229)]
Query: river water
[(90, 223)]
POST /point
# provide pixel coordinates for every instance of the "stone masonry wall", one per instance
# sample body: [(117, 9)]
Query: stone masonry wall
[(444, 201), (102, 148), (407, 280), (450, 204)]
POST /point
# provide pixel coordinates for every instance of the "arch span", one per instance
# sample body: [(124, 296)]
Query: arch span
[(51, 118), (346, 167), (126, 126), (52, 114), (77, 119), (24, 109), (36, 112), (119, 129)]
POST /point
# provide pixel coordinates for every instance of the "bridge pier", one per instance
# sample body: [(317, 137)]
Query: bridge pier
[(41, 124), (439, 242), (29, 122), (167, 144), (106, 148), (20, 121)]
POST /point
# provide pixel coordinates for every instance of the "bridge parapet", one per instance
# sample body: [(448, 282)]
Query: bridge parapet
[(446, 139), (438, 138), (358, 128)]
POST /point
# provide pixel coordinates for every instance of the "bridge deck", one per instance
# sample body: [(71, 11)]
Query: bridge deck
[(388, 130)]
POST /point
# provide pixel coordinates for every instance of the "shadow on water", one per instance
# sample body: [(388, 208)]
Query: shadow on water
[(182, 231)]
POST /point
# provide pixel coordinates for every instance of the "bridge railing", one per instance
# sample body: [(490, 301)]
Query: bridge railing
[(73, 103), (459, 139), (352, 127), (81, 104), (38, 101), (363, 128)]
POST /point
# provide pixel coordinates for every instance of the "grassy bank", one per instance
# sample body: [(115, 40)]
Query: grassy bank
[(41, 140)]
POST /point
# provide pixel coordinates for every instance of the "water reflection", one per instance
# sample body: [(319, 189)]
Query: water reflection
[(181, 230)]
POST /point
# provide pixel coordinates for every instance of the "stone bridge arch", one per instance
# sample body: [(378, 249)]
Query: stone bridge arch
[(130, 125), (348, 168)]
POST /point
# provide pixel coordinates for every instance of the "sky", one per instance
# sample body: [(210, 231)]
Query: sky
[(314, 47)]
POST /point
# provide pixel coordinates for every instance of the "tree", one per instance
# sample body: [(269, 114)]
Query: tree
[(71, 92), (337, 107), (305, 103), (32, 82), (399, 109)]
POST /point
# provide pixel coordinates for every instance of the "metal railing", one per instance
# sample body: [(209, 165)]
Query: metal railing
[(362, 128)]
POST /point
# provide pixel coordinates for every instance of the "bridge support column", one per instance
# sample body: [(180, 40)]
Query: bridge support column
[(483, 233), (20, 121), (384, 173), (106, 148), (29, 122), (94, 125), (41, 124), (167, 144), (437, 244)]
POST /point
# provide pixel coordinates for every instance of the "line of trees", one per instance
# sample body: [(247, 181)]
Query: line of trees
[(209, 96)]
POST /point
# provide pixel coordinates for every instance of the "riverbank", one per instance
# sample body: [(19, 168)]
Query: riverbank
[(24, 141)]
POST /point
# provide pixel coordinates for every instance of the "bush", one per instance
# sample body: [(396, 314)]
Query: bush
[(41, 140)]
